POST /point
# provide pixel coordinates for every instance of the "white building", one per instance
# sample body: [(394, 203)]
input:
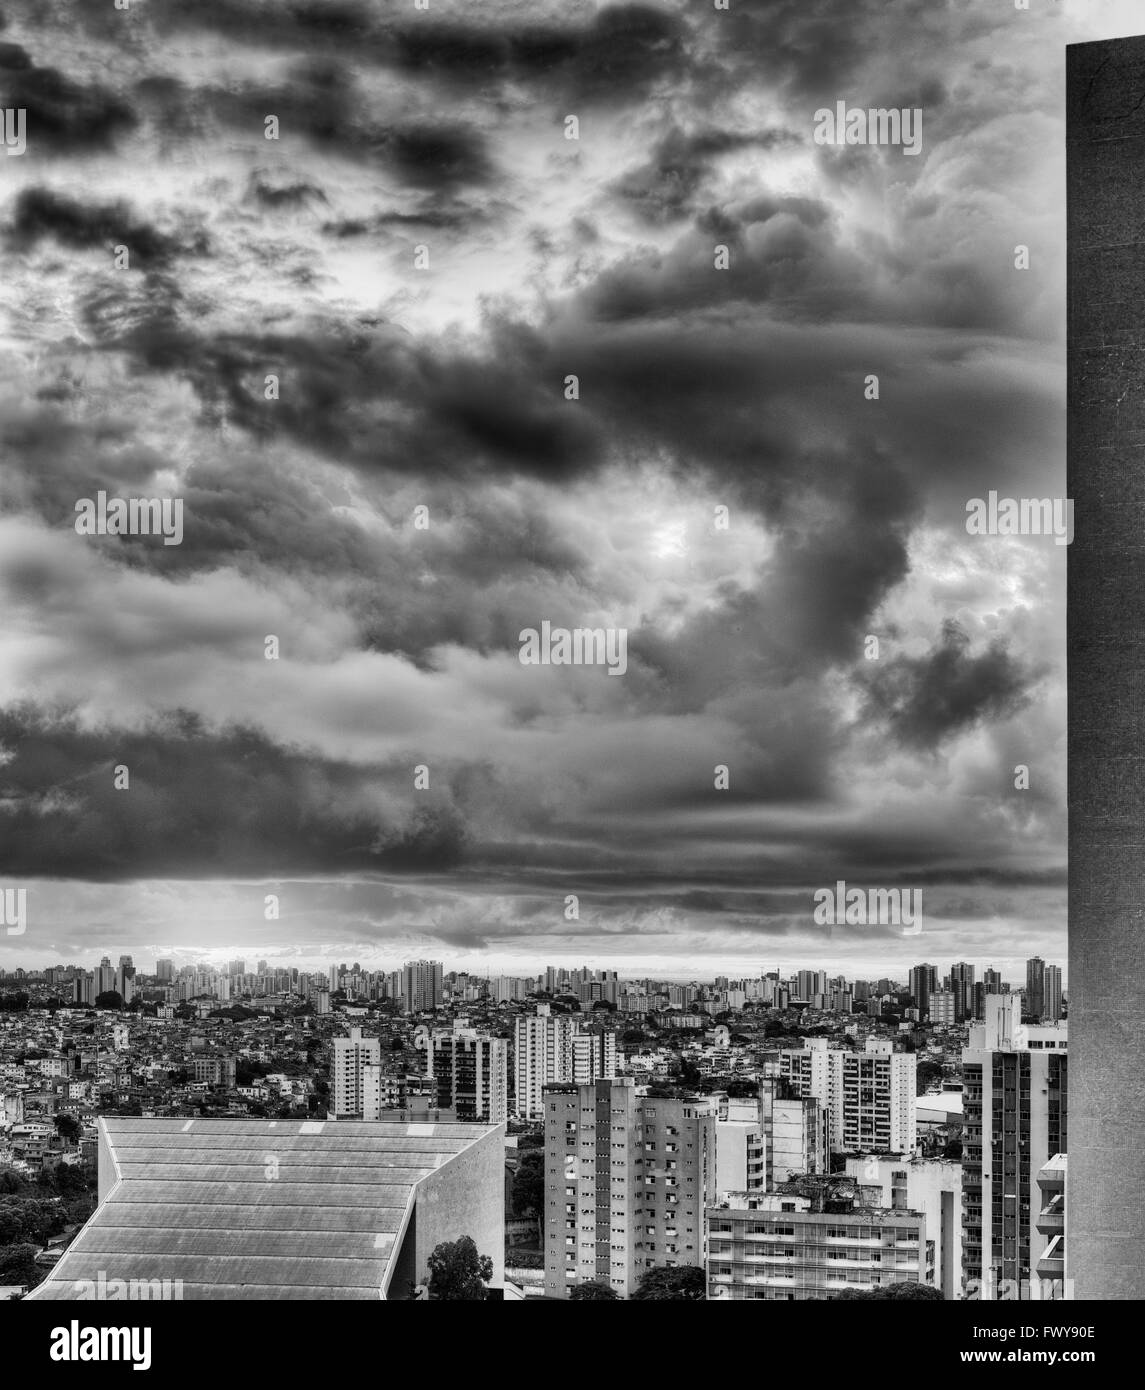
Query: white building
[(351, 1055), (931, 1186), (869, 1095), (555, 1048)]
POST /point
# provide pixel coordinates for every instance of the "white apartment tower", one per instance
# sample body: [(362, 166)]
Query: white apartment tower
[(553, 1048), (351, 1056), (868, 1095)]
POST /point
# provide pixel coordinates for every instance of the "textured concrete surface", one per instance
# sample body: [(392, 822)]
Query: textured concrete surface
[(1106, 472)]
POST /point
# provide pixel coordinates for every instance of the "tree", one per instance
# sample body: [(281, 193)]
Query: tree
[(68, 1127), (529, 1184), (918, 1293), (18, 1264), (742, 1088), (457, 1273), (953, 1149), (109, 999), (593, 1291), (926, 1073), (684, 1284)]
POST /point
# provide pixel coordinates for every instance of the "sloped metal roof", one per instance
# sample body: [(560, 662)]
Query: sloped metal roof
[(260, 1209)]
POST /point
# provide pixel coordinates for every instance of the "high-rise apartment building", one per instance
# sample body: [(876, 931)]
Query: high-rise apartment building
[(808, 983), (471, 1073), (922, 985), (1015, 1093), (104, 976), (869, 1095), (816, 1070), (421, 987), (962, 987), (350, 1056), (942, 1008), (878, 1092), (551, 1048), (627, 1179), (1035, 987), (1052, 994), (165, 970)]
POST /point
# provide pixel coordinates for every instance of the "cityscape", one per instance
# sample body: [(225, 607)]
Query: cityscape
[(545, 740), (795, 1135)]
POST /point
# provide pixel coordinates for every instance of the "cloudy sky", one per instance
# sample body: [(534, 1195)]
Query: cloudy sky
[(443, 388)]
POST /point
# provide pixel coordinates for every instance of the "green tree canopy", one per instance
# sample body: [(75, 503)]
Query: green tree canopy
[(68, 1127), (684, 1284), (593, 1291), (529, 1184), (905, 1290), (457, 1273)]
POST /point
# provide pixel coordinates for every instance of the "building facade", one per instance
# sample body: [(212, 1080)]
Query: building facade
[(627, 1179), (351, 1055), (869, 1095), (1015, 1098), (775, 1248), (471, 1073)]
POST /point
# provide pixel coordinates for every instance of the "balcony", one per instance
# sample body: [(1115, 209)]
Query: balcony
[(1051, 1262), (1051, 1219)]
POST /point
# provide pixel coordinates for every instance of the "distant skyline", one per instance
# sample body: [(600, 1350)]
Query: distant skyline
[(1015, 974), (444, 388)]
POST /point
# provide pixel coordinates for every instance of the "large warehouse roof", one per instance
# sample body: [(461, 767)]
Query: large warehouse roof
[(255, 1208)]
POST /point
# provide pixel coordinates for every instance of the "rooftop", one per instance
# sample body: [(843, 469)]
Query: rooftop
[(271, 1209)]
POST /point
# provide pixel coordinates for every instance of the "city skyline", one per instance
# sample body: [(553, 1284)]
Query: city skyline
[(323, 966)]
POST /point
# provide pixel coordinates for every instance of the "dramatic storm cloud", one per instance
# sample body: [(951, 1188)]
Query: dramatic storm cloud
[(347, 351)]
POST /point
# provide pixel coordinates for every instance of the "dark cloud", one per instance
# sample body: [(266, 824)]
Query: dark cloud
[(40, 213), (501, 410), (64, 116), (268, 193), (813, 50), (616, 56), (202, 803), (439, 156), (924, 700), (666, 187)]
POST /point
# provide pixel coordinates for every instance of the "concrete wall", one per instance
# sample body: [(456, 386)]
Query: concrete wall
[(1105, 1198), (465, 1197)]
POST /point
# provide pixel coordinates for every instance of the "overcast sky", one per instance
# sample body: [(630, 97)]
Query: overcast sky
[(444, 388)]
